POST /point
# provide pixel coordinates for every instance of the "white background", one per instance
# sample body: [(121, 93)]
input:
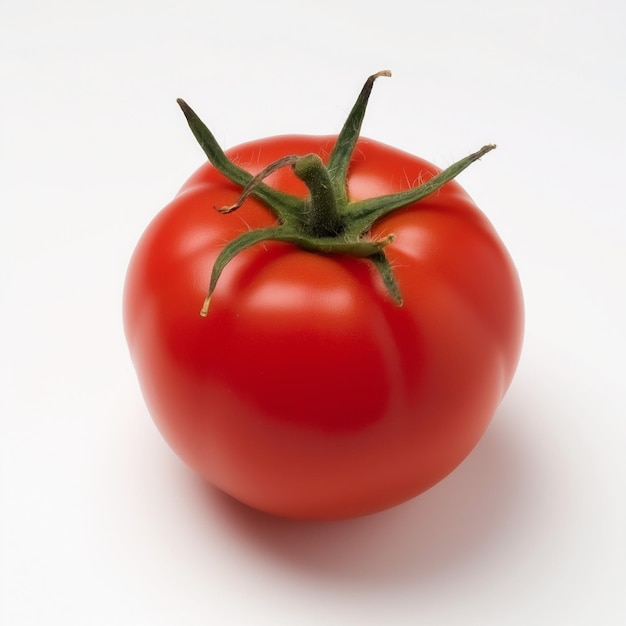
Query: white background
[(99, 522)]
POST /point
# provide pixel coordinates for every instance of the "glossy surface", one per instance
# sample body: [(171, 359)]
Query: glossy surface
[(306, 392)]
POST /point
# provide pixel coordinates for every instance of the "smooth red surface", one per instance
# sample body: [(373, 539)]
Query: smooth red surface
[(307, 392)]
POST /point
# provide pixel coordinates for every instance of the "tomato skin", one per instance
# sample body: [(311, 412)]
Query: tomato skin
[(307, 392)]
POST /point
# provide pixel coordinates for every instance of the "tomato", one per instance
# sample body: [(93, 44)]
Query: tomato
[(315, 386)]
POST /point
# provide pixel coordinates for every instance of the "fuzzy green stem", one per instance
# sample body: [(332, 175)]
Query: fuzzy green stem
[(321, 217), (326, 221)]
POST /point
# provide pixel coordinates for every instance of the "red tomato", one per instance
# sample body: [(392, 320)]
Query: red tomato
[(306, 391)]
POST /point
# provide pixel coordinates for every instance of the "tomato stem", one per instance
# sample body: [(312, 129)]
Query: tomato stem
[(325, 222), (321, 216)]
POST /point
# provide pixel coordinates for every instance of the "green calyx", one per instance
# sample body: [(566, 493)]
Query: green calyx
[(326, 221)]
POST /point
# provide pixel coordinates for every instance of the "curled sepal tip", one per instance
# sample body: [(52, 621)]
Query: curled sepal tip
[(204, 311), (258, 179)]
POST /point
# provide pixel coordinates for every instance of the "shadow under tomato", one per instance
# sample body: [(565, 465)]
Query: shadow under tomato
[(464, 517)]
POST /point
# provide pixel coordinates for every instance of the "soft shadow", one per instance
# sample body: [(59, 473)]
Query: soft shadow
[(465, 517)]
